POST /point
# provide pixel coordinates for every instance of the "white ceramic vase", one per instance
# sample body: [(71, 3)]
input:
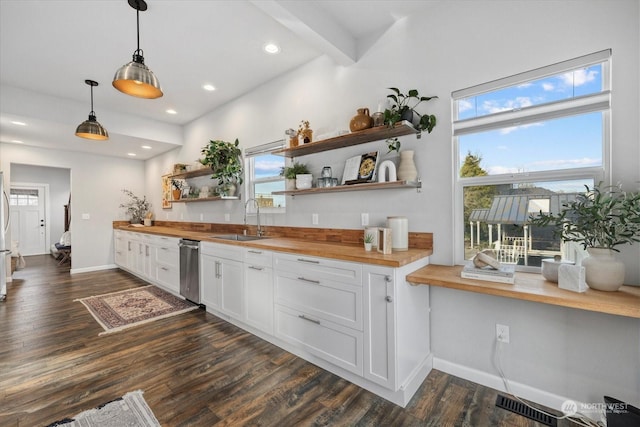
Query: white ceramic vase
[(407, 170), (603, 271)]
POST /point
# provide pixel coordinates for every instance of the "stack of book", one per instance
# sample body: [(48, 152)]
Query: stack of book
[(505, 274)]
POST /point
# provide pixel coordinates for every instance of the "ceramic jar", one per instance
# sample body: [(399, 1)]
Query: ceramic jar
[(407, 170), (361, 121)]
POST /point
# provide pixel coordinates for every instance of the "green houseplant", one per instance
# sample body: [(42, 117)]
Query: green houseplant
[(403, 107), (600, 219), (136, 207), (225, 160), (290, 172)]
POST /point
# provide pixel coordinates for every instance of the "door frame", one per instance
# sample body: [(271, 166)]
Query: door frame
[(47, 208)]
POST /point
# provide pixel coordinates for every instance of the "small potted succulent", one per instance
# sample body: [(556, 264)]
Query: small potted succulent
[(137, 208), (290, 172), (368, 242), (225, 160), (600, 219)]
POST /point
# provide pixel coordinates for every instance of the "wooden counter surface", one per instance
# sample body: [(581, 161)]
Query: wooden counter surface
[(340, 251), (533, 287)]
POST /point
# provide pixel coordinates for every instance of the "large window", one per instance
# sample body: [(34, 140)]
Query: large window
[(524, 144), (263, 176)]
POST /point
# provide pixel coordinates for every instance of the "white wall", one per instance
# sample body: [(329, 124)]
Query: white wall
[(96, 184), (455, 45)]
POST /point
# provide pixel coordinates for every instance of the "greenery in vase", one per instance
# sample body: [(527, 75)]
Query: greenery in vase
[(178, 184), (603, 217), (403, 105), (290, 172), (137, 208), (225, 160)]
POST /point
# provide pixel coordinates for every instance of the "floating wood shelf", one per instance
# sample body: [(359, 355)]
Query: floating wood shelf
[(192, 174), (205, 199), (354, 187), (347, 140)]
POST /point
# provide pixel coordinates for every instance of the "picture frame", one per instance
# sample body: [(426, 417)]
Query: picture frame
[(368, 166), (166, 191), (185, 192)]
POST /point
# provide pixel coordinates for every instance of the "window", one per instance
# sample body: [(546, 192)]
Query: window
[(527, 143), (23, 197), (263, 176)]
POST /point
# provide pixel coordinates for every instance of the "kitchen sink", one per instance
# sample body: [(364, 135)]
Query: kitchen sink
[(237, 237)]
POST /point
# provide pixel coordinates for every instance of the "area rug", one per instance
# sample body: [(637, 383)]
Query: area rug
[(121, 310), (130, 410)]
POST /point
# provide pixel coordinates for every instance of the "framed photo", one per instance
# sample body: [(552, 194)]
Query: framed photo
[(185, 192), (166, 191), (368, 163)]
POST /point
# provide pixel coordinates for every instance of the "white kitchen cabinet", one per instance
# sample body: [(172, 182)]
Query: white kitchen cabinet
[(225, 263), (120, 248), (165, 262), (258, 289), (209, 281)]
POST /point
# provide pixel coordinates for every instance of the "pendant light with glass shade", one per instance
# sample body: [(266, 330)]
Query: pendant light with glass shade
[(135, 78), (90, 128)]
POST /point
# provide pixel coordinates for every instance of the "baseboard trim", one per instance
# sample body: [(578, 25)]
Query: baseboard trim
[(486, 379), (90, 269)]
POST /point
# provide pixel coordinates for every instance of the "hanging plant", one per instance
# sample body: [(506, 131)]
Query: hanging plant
[(225, 160)]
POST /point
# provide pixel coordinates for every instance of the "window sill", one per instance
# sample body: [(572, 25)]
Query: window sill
[(533, 287)]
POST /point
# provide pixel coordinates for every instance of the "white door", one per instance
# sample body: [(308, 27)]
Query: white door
[(28, 222)]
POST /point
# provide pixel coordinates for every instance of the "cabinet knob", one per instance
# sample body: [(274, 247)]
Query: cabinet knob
[(389, 299)]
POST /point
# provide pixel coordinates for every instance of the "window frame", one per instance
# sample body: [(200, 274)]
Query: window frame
[(249, 157), (600, 102)]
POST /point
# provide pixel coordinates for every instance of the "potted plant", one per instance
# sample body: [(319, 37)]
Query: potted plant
[(290, 172), (137, 208), (176, 188), (600, 219), (225, 160), (368, 242), (403, 107)]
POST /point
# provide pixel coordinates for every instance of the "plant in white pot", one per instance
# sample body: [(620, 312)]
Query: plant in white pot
[(290, 172), (600, 219), (225, 160)]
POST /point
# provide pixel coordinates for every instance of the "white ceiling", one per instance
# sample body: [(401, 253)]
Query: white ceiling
[(48, 48)]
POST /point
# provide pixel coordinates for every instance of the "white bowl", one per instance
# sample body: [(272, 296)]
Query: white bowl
[(550, 268)]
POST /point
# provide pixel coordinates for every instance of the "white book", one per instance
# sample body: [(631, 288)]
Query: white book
[(505, 270), (489, 278)]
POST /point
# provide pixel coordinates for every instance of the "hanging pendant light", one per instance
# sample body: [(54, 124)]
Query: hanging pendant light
[(90, 128), (135, 78)]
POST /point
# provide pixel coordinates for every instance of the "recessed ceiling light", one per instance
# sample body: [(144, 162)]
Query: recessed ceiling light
[(170, 111), (210, 88), (146, 147), (271, 48), (131, 154), (16, 141), (19, 123)]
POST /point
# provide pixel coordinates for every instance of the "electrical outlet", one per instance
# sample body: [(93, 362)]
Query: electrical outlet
[(227, 217), (365, 219), (201, 217), (314, 219), (502, 333)]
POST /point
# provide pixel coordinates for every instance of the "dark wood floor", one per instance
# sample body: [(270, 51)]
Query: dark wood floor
[(194, 369)]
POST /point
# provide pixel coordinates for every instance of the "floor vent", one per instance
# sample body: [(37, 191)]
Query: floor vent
[(522, 409)]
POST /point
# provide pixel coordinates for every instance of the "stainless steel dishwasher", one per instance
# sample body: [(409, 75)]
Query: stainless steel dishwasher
[(190, 270)]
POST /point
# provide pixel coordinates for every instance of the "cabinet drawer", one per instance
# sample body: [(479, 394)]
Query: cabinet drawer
[(220, 250), (340, 303), (164, 240), (168, 276), (319, 268), (167, 256), (258, 257), (333, 343)]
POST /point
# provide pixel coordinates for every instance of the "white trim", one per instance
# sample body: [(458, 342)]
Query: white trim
[(90, 269)]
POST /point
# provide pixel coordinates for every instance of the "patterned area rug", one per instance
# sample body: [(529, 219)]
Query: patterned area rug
[(130, 410), (121, 310)]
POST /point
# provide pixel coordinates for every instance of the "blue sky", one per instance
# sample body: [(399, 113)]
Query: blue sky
[(556, 144)]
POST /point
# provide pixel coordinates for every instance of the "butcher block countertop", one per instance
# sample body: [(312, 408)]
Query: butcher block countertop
[(340, 251), (533, 287)]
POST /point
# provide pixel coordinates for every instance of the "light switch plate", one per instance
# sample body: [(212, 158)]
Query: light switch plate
[(86, 216)]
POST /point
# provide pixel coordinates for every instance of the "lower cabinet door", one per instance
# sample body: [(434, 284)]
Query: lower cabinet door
[(209, 281), (231, 287), (258, 286), (331, 342)]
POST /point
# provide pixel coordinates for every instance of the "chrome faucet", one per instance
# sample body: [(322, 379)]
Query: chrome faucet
[(255, 202)]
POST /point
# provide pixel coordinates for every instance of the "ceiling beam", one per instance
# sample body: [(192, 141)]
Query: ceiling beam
[(314, 26)]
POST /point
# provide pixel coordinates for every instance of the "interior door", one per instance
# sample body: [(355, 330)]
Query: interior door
[(28, 224)]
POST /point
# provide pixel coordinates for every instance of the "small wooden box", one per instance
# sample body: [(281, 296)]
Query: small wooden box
[(384, 240)]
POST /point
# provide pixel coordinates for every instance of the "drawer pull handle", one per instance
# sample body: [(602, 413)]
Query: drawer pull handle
[(164, 268), (317, 282), (256, 268), (389, 299), (312, 261), (302, 316), (254, 252)]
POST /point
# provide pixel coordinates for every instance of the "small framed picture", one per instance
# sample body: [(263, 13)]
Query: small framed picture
[(185, 192)]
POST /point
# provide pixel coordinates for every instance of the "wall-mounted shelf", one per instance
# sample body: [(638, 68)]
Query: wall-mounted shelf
[(354, 187), (347, 140), (205, 199), (192, 174)]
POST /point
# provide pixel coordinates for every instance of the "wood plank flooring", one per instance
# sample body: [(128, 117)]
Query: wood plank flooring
[(194, 369)]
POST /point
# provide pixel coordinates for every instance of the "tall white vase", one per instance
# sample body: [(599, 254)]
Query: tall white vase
[(407, 170), (603, 271)]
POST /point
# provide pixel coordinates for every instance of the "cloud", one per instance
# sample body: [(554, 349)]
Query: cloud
[(566, 163), (464, 105), (548, 86), (272, 167), (506, 131), (578, 77), (493, 107)]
